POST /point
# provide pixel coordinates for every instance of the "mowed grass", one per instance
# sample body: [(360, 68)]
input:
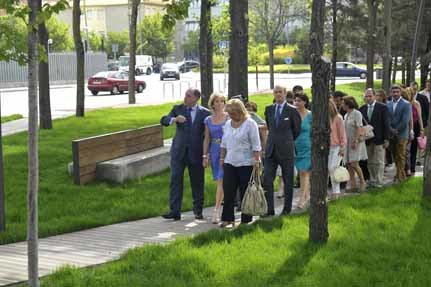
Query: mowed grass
[(380, 238), (65, 207), (11, 118)]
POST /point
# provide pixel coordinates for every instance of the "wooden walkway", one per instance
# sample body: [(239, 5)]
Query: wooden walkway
[(102, 244)]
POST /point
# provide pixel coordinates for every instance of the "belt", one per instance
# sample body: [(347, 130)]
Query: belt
[(216, 140)]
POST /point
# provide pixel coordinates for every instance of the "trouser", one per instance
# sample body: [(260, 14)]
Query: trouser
[(376, 162), (197, 181), (269, 174), (399, 147), (234, 177), (363, 164), (333, 163)]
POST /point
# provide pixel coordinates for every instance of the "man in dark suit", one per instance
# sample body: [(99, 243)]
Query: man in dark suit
[(187, 150), (284, 126), (400, 112), (376, 114)]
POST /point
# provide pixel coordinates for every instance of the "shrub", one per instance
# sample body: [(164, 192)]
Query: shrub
[(280, 53)]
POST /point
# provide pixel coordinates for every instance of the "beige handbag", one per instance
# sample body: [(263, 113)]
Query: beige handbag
[(254, 201), (341, 174)]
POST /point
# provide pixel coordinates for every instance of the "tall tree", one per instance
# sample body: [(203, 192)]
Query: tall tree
[(372, 16), (132, 53), (206, 51), (387, 56), (44, 96), (426, 188), (334, 44), (272, 18), (320, 127), (2, 205), (80, 59), (420, 16), (33, 159), (238, 50)]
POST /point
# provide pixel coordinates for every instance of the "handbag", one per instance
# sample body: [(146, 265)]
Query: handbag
[(340, 173), (366, 132), (254, 201), (422, 142)]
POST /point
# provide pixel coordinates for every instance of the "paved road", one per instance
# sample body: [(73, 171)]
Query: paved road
[(63, 98)]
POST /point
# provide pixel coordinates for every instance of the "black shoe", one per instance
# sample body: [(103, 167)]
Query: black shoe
[(198, 215), (268, 214), (284, 212), (170, 215)]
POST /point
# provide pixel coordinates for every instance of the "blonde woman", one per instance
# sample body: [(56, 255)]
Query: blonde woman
[(211, 151), (338, 143), (240, 152)]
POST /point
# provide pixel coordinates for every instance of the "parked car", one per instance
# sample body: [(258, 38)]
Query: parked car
[(114, 82), (113, 66), (169, 70), (346, 69), (188, 65)]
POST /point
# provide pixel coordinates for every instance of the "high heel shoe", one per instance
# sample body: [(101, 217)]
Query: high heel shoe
[(215, 218), (225, 224)]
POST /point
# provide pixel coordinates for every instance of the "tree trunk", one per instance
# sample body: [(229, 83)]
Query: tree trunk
[(426, 189), (132, 52), (2, 196), (33, 161), (206, 52), (394, 69), (386, 83), (271, 62), (44, 96), (421, 9), (425, 61), (372, 15), (238, 62), (320, 127), (403, 72), (334, 45), (80, 59), (408, 71)]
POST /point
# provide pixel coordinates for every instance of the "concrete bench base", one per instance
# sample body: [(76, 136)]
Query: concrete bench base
[(133, 166)]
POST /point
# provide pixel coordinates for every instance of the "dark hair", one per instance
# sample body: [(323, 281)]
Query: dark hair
[(303, 98), (251, 106), (383, 94), (414, 83), (371, 90), (297, 88), (289, 94), (395, 87), (339, 94), (239, 97), (196, 93), (350, 102)]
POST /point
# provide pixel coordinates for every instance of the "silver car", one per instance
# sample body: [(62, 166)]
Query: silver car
[(169, 70)]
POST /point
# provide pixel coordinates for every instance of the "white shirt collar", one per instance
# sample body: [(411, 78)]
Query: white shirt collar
[(396, 101), (281, 105), (372, 104)]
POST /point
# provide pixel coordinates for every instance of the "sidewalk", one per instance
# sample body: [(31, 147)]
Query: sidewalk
[(103, 244)]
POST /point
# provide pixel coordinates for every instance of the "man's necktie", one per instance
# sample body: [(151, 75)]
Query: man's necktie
[(277, 115), (370, 111), (189, 116)]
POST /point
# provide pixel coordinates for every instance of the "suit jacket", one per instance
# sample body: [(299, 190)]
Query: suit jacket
[(187, 137), (281, 138), (379, 121), (425, 107), (400, 118)]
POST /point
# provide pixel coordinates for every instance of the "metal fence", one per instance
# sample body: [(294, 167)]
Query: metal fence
[(62, 69)]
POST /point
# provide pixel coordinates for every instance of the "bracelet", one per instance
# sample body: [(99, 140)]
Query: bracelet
[(204, 156), (222, 158)]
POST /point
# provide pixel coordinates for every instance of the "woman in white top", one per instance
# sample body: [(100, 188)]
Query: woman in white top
[(240, 152)]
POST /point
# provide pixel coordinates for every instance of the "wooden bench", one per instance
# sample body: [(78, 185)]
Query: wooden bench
[(89, 152)]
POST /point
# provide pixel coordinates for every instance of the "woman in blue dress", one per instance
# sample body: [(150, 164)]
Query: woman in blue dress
[(303, 149), (213, 134)]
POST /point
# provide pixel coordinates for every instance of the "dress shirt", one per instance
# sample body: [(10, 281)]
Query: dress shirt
[(395, 104), (370, 107), (193, 111)]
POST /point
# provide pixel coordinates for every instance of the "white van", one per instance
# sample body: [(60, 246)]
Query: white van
[(144, 64)]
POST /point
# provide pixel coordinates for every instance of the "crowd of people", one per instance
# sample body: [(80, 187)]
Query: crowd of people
[(232, 140)]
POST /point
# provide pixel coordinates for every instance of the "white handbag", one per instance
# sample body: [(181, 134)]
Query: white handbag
[(341, 174)]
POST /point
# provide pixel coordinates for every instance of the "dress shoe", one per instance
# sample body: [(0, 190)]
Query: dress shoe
[(268, 214), (284, 212), (170, 215), (198, 215)]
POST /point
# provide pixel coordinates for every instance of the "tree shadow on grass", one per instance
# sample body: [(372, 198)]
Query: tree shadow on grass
[(217, 236)]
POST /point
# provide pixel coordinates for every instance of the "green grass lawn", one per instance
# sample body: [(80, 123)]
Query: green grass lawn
[(11, 118), (381, 238), (65, 207)]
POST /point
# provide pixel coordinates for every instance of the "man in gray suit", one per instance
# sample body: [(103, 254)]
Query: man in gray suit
[(284, 126), (187, 150)]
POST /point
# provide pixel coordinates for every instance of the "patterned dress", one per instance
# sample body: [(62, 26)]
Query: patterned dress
[(216, 133)]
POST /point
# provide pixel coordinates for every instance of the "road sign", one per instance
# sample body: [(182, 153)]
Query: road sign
[(114, 48), (288, 60), (223, 45)]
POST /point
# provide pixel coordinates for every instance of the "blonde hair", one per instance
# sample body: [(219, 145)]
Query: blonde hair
[(407, 94), (236, 106), (333, 112), (215, 96)]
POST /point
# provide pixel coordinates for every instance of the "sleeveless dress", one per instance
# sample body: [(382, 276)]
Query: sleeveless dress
[(216, 133), (303, 145)]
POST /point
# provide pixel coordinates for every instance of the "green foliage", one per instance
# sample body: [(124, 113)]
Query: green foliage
[(280, 53), (120, 38), (156, 41), (300, 37), (221, 27), (58, 31), (380, 238), (255, 53), (191, 44), (11, 118), (175, 10), (96, 41)]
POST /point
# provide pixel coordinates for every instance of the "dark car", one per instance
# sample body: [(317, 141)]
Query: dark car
[(114, 82), (113, 66), (346, 69), (188, 66), (169, 70)]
